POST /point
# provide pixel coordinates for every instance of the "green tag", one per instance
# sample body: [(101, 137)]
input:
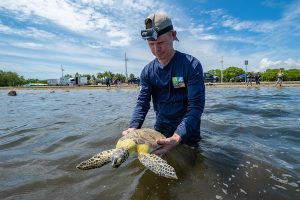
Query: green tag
[(178, 82)]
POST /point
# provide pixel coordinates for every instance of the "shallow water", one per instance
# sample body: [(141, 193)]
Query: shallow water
[(250, 147)]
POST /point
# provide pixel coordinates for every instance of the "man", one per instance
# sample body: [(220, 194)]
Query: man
[(174, 80), (279, 78), (107, 81), (257, 77), (249, 79)]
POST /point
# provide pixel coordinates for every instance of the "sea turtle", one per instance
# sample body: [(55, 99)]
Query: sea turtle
[(142, 141)]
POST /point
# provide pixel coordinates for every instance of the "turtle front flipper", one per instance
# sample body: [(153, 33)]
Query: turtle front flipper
[(97, 160), (157, 165)]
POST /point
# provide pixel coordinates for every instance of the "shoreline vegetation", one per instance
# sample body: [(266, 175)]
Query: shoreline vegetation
[(134, 86)]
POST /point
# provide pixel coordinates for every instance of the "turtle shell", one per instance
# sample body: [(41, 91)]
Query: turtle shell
[(144, 136)]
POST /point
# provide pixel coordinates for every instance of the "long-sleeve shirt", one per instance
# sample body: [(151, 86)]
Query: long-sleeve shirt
[(178, 96)]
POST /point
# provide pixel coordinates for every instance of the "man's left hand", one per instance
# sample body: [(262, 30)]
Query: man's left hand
[(167, 144)]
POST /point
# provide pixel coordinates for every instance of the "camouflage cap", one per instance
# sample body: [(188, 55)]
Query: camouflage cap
[(160, 22)]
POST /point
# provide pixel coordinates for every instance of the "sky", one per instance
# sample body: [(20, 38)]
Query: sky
[(38, 37)]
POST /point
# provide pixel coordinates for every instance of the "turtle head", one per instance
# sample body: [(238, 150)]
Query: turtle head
[(119, 156)]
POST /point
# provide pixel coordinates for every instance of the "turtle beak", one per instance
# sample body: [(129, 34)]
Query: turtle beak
[(119, 157), (116, 162)]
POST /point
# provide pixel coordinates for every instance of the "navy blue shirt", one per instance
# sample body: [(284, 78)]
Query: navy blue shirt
[(178, 96)]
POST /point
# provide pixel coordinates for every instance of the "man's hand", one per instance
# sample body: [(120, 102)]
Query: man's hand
[(128, 130), (167, 144)]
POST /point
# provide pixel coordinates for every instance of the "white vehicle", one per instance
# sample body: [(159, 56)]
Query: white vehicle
[(82, 80), (71, 81), (53, 82)]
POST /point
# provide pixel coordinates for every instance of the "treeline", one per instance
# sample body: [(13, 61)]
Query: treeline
[(101, 76), (230, 74), (13, 79)]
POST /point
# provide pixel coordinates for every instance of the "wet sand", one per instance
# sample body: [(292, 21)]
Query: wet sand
[(208, 85)]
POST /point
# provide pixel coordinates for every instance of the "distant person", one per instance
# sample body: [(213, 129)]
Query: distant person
[(107, 82), (116, 82), (249, 79), (174, 82), (279, 78), (257, 78)]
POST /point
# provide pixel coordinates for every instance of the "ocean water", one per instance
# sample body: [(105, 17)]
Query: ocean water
[(250, 147)]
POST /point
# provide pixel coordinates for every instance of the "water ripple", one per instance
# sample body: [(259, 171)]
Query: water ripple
[(250, 147)]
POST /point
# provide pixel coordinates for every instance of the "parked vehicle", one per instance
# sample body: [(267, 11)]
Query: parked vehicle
[(210, 78), (82, 80), (241, 78), (134, 81), (53, 81)]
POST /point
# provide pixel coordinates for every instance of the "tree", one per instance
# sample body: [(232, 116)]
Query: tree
[(291, 75), (216, 72), (131, 76), (108, 74), (100, 75), (230, 73), (10, 79), (87, 76), (269, 75), (34, 81), (121, 77)]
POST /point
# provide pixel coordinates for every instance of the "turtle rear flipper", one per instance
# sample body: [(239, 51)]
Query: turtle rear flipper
[(157, 165), (97, 160)]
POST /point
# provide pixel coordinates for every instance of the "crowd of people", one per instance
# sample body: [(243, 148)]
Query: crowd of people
[(250, 77), (117, 81), (256, 77)]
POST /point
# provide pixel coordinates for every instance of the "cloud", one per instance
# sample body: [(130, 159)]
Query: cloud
[(5, 29), (86, 34), (251, 38), (235, 24), (94, 19), (290, 63), (64, 13), (29, 32), (28, 45), (254, 26), (289, 21), (119, 38)]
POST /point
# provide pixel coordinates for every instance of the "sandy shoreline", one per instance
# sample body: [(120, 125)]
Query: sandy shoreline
[(244, 85), (208, 85)]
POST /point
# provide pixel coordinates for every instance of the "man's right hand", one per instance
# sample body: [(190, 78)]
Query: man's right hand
[(128, 130)]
